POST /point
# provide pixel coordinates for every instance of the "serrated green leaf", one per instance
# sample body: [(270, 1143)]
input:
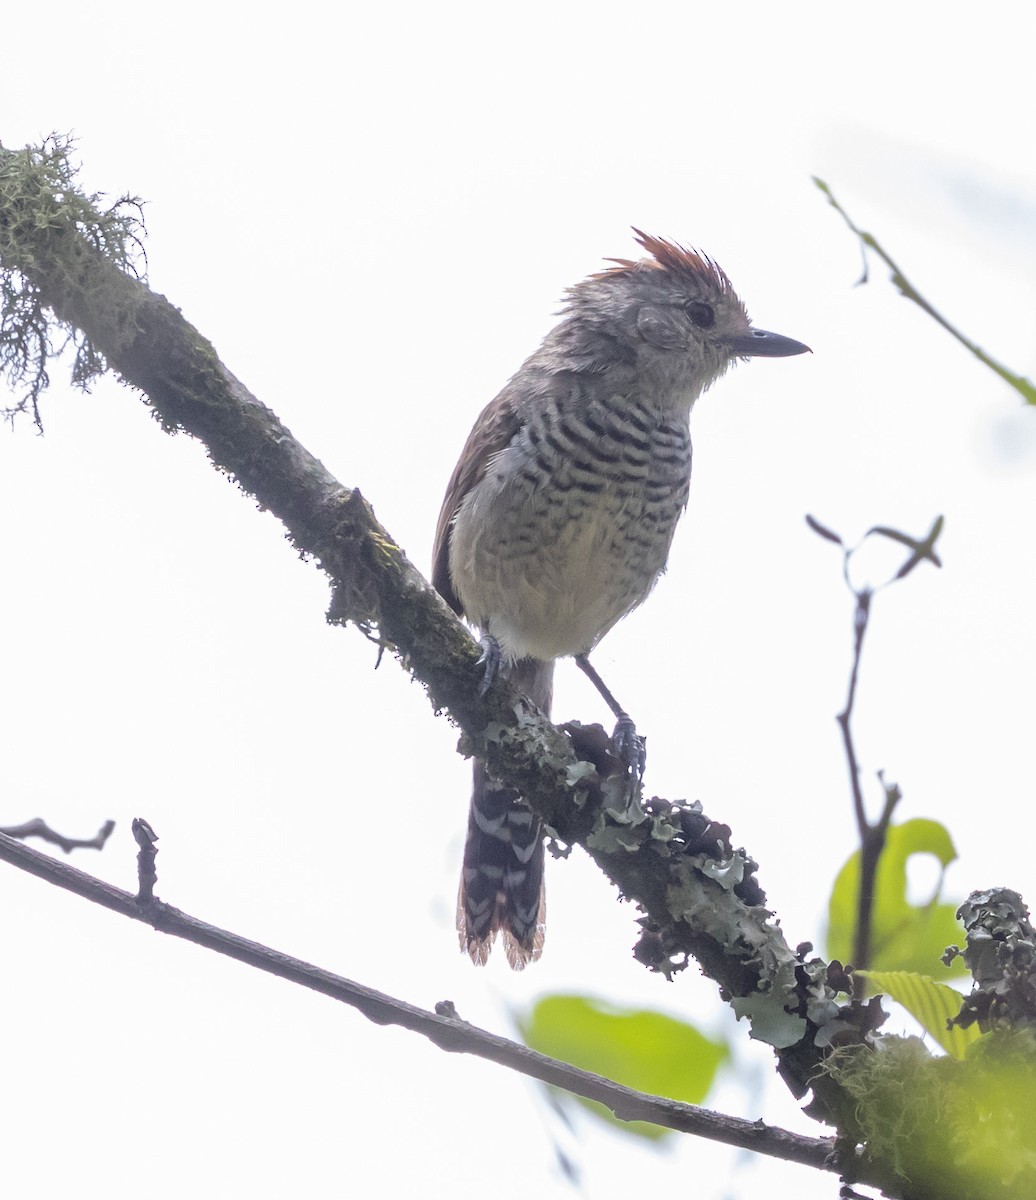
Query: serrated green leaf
[(640, 1048), (931, 1003), (904, 936)]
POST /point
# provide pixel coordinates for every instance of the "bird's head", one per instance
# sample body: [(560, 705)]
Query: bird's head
[(674, 317)]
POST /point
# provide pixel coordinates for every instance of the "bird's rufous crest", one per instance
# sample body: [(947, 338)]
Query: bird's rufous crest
[(671, 256)]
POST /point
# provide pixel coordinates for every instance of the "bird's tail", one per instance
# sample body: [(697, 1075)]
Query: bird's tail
[(501, 885)]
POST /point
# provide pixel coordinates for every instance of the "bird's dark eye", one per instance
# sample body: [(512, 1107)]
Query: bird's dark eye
[(700, 313)]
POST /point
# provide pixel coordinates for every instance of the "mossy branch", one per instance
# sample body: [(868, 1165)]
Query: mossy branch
[(699, 896), (38, 198)]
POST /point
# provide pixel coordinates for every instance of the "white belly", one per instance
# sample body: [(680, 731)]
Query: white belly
[(559, 594)]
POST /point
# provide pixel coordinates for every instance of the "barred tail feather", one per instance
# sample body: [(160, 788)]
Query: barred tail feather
[(501, 888), (502, 880)]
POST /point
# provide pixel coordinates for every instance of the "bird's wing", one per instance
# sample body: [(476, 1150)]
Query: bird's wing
[(492, 432)]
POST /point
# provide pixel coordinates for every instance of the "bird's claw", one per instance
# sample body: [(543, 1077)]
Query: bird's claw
[(492, 657), (630, 748)]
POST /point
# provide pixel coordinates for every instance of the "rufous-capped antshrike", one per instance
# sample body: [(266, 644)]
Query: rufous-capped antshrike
[(559, 517)]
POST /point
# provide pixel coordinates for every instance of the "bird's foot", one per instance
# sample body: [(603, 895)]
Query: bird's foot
[(630, 748), (492, 657)]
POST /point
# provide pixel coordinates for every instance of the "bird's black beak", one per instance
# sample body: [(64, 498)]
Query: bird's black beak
[(760, 343)]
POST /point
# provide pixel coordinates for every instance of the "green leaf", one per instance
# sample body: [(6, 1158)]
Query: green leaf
[(642, 1049), (904, 936), (931, 1003)]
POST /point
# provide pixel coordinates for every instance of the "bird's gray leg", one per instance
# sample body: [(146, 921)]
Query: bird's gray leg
[(493, 659), (629, 746)]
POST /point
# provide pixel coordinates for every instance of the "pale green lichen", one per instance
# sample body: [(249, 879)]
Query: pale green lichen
[(750, 931), (766, 1011), (39, 199)]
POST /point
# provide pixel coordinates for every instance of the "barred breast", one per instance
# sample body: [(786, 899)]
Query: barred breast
[(571, 526)]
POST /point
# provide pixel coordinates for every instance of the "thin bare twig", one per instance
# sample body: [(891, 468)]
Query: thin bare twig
[(37, 827), (443, 1027), (868, 241), (860, 622), (873, 835)]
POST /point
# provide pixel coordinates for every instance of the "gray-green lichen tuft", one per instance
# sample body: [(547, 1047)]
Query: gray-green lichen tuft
[(956, 1129), (39, 204)]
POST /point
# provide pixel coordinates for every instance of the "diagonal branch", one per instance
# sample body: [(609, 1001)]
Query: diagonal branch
[(700, 897)]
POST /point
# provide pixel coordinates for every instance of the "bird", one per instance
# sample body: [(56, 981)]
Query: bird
[(559, 516)]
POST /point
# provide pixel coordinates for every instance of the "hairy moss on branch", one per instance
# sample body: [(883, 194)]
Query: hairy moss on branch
[(40, 205), (952, 1128)]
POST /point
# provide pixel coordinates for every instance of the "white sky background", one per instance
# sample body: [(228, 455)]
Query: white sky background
[(373, 217)]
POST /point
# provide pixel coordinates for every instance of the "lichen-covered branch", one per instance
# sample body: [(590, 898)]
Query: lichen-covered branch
[(699, 896), (1000, 953)]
